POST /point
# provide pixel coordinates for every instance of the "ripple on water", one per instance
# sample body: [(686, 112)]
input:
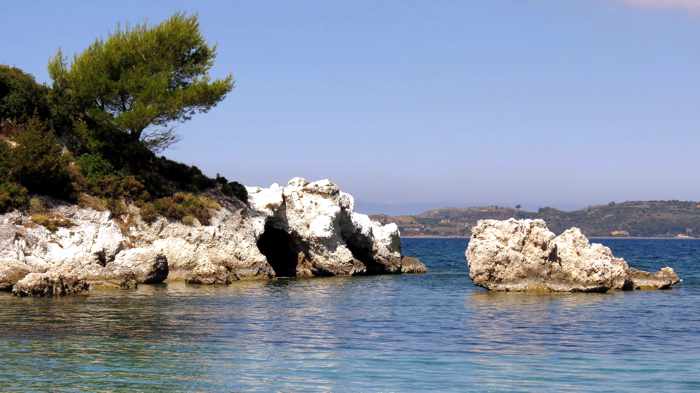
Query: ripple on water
[(390, 333)]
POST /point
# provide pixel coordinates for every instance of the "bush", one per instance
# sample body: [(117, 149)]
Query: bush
[(149, 213), (182, 204), (92, 202), (168, 177), (51, 222), (94, 167), (21, 97), (13, 197), (36, 206), (38, 162), (235, 189), (4, 161)]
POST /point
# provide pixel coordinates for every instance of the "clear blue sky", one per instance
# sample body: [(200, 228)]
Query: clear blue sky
[(416, 104)]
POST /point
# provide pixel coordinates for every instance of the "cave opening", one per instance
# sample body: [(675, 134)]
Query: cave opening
[(361, 249), (280, 249)]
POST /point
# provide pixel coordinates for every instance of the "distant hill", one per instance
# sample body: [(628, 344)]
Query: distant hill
[(639, 219)]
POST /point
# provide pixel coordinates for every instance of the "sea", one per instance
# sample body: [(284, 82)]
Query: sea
[(396, 333)]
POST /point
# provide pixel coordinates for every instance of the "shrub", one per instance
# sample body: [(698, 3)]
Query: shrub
[(235, 189), (182, 204), (168, 177), (36, 206), (149, 213), (117, 207), (232, 189), (189, 220), (120, 187), (13, 197), (4, 161), (21, 97), (38, 162), (94, 167), (51, 222), (92, 202)]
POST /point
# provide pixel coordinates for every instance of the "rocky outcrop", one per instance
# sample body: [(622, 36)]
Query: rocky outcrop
[(50, 284), (524, 255), (303, 229), (322, 233)]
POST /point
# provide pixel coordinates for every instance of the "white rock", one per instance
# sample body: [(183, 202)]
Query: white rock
[(310, 229), (523, 255)]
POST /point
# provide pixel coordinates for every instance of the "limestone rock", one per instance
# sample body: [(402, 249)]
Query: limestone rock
[(10, 273), (523, 255), (412, 265), (50, 284), (320, 233), (663, 279), (149, 266), (303, 229)]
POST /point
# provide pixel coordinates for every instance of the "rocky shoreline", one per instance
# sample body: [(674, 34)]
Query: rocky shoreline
[(524, 255), (303, 229)]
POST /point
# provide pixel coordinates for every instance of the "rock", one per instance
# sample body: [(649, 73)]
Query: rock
[(209, 274), (663, 279), (303, 229), (50, 284), (523, 255), (310, 229), (158, 272), (412, 265), (10, 273), (148, 265)]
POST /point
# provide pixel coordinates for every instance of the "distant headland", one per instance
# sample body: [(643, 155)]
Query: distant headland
[(645, 219)]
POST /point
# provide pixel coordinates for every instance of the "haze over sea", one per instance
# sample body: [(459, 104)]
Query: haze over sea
[(384, 333)]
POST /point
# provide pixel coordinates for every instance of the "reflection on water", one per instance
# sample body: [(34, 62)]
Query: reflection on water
[(390, 333)]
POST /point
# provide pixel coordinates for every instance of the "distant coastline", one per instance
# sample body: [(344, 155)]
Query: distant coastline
[(643, 238), (633, 220), (591, 237)]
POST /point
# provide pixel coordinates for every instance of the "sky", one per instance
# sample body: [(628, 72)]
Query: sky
[(411, 105)]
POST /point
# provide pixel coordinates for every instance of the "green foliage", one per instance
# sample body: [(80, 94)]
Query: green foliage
[(94, 167), (5, 164), (232, 189), (123, 187), (164, 177), (183, 204), (112, 107), (38, 162), (21, 97), (13, 197), (141, 79)]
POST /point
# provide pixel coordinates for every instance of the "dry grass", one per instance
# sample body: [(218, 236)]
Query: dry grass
[(51, 221)]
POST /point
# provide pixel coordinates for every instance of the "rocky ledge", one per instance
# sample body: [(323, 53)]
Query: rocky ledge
[(524, 255), (300, 230)]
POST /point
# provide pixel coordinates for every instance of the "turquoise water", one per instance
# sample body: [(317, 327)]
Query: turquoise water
[(433, 332)]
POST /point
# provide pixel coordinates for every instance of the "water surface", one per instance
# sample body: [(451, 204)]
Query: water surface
[(364, 334)]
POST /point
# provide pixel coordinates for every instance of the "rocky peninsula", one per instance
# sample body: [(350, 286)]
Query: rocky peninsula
[(303, 229), (524, 255)]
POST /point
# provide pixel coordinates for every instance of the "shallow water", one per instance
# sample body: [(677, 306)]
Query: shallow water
[(364, 334)]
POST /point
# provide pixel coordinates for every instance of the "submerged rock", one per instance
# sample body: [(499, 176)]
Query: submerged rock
[(412, 265), (524, 255), (304, 229), (50, 284)]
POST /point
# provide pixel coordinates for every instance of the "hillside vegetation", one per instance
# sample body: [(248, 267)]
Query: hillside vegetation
[(642, 219), (93, 135)]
